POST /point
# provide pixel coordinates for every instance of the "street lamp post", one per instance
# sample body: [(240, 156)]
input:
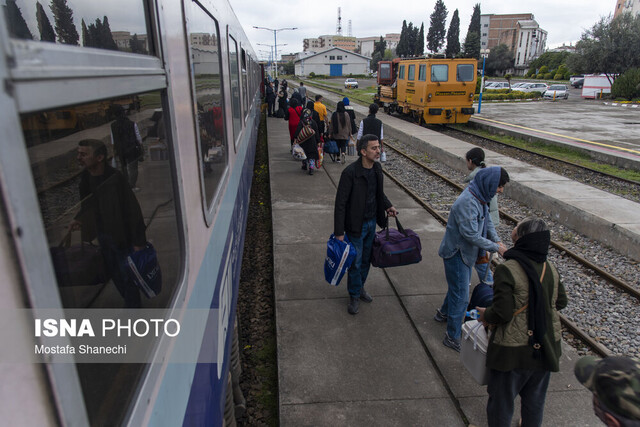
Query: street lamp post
[(272, 55), (275, 42), (484, 53)]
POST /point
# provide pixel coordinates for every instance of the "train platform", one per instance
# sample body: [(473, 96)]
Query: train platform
[(387, 365), (597, 214)]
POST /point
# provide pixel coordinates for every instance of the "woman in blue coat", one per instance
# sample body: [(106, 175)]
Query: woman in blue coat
[(469, 232)]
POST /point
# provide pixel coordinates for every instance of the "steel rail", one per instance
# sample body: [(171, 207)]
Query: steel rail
[(621, 284), (545, 156)]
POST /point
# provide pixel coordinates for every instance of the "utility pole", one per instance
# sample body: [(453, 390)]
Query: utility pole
[(275, 42)]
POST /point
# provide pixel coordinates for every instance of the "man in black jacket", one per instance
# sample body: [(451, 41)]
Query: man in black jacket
[(360, 204), (372, 125)]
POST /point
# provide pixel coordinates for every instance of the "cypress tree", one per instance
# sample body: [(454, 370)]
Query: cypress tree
[(411, 39), (420, 43), (472, 41), (437, 32), (401, 49), (106, 36), (86, 42), (44, 25), (453, 36), (380, 46), (65, 28), (17, 25)]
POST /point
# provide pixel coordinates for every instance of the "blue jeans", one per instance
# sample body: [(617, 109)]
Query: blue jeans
[(481, 269), (457, 298), (503, 388), (360, 268)]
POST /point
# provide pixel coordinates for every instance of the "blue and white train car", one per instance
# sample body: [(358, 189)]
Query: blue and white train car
[(82, 81)]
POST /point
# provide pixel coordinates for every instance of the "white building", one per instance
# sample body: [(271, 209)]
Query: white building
[(531, 44), (367, 44), (333, 62)]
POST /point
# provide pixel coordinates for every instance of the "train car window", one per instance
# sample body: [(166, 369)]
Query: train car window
[(205, 65), (401, 72), (384, 71), (465, 72), (234, 78), (440, 73), (121, 25), (105, 190), (245, 87), (411, 75), (422, 73)]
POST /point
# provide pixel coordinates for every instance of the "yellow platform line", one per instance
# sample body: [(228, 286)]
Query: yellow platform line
[(561, 136)]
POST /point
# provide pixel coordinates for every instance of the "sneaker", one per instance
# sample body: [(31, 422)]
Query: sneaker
[(439, 317), (451, 343), (310, 171), (354, 305), (343, 158)]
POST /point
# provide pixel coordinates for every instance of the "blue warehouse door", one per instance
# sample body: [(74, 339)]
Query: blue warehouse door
[(335, 70)]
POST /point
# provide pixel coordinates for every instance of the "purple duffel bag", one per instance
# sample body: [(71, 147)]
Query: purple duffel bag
[(393, 248)]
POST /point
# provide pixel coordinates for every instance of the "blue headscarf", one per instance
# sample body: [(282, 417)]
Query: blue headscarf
[(346, 101), (484, 187)]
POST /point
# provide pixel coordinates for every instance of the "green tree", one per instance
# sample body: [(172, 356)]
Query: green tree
[(472, 40), (419, 51), (375, 58), (380, 46), (17, 25), (402, 48), (289, 68), (106, 37), (437, 32), (411, 39), (44, 25), (611, 46), (86, 36), (627, 85), (136, 45), (453, 36), (500, 59), (65, 28)]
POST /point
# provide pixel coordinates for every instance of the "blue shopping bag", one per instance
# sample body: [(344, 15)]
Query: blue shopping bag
[(331, 147), (340, 255), (143, 269)]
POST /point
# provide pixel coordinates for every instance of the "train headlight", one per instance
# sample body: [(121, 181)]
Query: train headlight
[(471, 96), (429, 98)]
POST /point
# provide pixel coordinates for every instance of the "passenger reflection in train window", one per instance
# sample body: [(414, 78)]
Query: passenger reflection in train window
[(127, 145), (111, 214)]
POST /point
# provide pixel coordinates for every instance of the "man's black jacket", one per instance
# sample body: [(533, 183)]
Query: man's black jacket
[(351, 199)]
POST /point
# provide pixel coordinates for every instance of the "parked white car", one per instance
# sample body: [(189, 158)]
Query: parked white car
[(351, 84), (496, 85), (534, 87), (556, 92)]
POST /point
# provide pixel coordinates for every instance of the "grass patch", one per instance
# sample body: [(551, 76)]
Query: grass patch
[(561, 153)]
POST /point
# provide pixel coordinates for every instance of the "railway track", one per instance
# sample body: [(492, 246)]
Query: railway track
[(594, 345)]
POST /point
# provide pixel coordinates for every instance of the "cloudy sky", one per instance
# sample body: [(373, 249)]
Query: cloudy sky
[(564, 20)]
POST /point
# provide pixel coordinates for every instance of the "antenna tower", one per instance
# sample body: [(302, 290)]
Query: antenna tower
[(349, 30), (339, 24)]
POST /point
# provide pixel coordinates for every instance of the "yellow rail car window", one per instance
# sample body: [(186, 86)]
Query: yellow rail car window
[(401, 73), (422, 72), (465, 73), (440, 73), (412, 72)]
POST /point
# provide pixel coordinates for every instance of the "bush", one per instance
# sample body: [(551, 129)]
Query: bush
[(627, 86), (312, 75), (540, 76), (567, 75), (548, 76), (543, 70), (558, 77)]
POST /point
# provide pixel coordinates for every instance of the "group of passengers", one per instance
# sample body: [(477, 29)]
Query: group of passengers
[(524, 349)]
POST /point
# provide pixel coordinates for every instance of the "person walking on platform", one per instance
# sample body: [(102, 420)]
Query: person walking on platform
[(615, 384), (284, 85), (469, 230), (527, 342), (372, 125), (302, 90), (275, 85), (294, 115), (127, 145), (282, 105), (475, 162), (360, 204), (352, 115), (307, 136), (341, 129), (271, 99), (321, 109)]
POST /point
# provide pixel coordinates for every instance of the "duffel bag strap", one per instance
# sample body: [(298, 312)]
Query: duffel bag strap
[(400, 227)]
